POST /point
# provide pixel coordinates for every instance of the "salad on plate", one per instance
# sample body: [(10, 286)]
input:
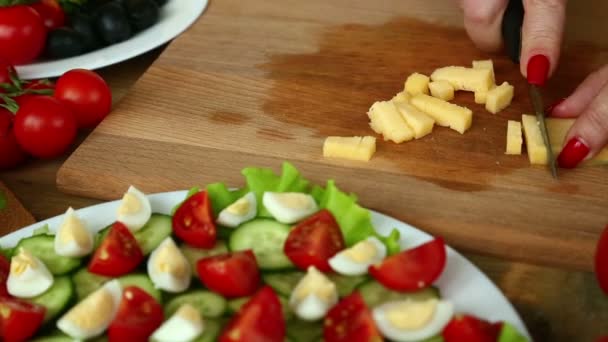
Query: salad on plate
[(276, 260)]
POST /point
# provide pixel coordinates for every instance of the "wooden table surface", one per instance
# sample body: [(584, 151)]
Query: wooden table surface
[(556, 305)]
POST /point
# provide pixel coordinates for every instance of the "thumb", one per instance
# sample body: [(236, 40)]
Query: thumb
[(589, 134)]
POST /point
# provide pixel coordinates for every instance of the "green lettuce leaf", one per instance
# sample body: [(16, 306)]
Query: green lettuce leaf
[(221, 197), (260, 180), (509, 333), (44, 230)]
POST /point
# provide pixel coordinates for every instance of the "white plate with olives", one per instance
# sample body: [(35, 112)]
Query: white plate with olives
[(111, 31)]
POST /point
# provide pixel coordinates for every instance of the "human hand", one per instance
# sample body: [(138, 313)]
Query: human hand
[(542, 30), (589, 134)]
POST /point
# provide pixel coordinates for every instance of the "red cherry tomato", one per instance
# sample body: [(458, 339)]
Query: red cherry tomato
[(22, 34), (139, 315), (412, 269), (87, 95), (259, 320), (314, 241), (471, 329), (231, 275), (118, 253), (11, 153), (51, 13), (601, 261), (350, 321), (20, 320), (193, 221), (45, 127), (5, 268)]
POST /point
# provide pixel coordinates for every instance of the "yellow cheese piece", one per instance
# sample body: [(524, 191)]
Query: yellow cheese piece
[(462, 78), (537, 151), (401, 97), (421, 123), (386, 118), (442, 90), (417, 84), (485, 64), (499, 98), (445, 114), (514, 138), (353, 148), (557, 130), (481, 96)]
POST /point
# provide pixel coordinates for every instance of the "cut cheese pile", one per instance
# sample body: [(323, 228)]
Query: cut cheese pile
[(514, 138), (386, 120), (417, 84), (354, 148), (442, 90), (537, 151), (499, 97), (462, 78), (445, 113), (420, 123)]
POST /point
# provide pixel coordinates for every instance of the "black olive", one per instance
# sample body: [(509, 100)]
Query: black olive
[(142, 13), (64, 42), (112, 23), (83, 24), (160, 3)]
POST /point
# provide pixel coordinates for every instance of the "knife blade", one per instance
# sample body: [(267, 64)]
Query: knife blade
[(512, 22)]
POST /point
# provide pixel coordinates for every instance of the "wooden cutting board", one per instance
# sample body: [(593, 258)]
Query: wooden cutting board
[(14, 215), (254, 83)]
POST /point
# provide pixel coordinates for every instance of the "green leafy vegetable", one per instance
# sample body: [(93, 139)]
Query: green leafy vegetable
[(221, 197), (42, 230), (191, 193), (509, 333)]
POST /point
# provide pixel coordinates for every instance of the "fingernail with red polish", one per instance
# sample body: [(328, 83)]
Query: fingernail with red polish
[(573, 153), (549, 110), (538, 70)]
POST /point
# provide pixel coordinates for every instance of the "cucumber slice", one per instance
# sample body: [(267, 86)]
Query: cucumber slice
[(437, 338), (374, 294), (57, 298), (209, 304), (212, 331), (303, 331), (346, 284), (43, 247), (55, 336), (266, 238), (234, 306), (154, 232), (101, 235), (194, 254), (86, 282), (143, 282), (283, 283)]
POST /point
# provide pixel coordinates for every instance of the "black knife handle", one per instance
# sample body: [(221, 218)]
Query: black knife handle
[(512, 22)]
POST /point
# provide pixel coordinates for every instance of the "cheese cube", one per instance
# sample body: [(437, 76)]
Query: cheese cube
[(485, 64), (420, 123), (353, 148), (499, 98), (445, 114), (481, 96), (514, 138), (557, 129), (537, 151), (417, 84), (386, 118), (462, 78), (401, 97), (442, 90)]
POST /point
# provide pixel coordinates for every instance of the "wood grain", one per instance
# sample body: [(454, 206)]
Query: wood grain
[(13, 216), (260, 82)]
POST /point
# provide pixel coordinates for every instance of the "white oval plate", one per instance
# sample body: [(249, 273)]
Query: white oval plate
[(175, 17), (461, 282)]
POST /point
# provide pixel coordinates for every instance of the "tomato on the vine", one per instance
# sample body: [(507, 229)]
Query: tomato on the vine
[(44, 127), (11, 153), (6, 70), (86, 94), (51, 12), (23, 34)]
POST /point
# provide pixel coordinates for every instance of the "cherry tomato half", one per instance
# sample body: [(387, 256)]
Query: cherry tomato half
[(471, 329), (193, 221), (23, 34), (601, 261), (118, 253), (19, 320), (232, 275), (11, 153), (51, 13), (44, 127), (314, 241), (259, 320), (139, 315), (86, 94), (350, 321), (412, 269)]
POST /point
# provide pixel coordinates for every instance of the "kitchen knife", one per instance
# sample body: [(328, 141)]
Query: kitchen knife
[(511, 33)]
